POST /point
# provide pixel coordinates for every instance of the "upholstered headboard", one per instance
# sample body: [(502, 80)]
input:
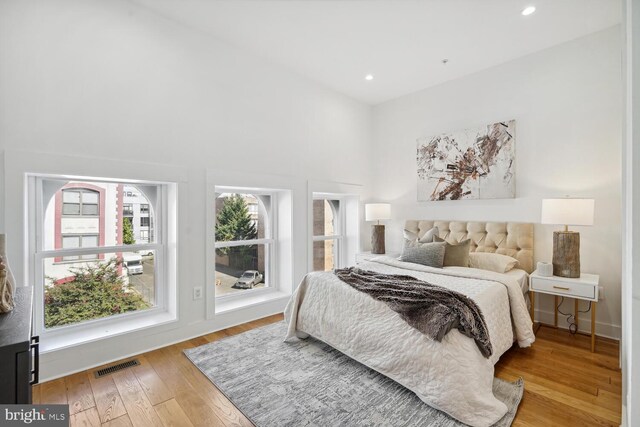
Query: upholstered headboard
[(514, 239)]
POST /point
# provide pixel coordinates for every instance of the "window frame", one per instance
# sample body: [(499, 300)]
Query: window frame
[(81, 238), (81, 203), (38, 253), (339, 230), (270, 242), (127, 210)]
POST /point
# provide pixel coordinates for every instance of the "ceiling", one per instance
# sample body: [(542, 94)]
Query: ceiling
[(401, 43)]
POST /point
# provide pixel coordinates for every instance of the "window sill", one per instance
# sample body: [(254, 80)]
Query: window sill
[(70, 337), (233, 304)]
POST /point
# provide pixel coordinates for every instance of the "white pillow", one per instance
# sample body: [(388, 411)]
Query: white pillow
[(492, 261), (411, 238)]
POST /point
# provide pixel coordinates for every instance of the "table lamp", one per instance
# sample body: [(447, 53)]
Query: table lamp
[(377, 212), (566, 244)]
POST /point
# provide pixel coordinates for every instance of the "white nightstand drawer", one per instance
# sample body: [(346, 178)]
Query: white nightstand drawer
[(563, 288)]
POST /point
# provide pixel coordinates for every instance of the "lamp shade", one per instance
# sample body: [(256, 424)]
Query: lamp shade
[(567, 211), (377, 211)]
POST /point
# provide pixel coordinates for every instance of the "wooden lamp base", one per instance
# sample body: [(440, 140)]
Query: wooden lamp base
[(377, 239), (566, 254)]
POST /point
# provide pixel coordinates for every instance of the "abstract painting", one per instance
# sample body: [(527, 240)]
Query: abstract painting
[(470, 164)]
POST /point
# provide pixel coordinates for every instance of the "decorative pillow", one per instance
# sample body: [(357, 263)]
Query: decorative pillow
[(411, 238), (429, 236), (429, 254), (492, 261), (456, 255)]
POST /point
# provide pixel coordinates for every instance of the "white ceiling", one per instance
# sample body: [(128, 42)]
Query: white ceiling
[(400, 42)]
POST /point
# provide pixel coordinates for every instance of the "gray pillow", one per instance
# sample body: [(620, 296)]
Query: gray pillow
[(429, 236), (429, 254), (411, 238), (456, 255)]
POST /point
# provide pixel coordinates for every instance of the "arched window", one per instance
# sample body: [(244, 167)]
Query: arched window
[(102, 232), (244, 241)]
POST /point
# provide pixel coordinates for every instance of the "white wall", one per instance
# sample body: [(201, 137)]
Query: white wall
[(108, 79), (567, 103)]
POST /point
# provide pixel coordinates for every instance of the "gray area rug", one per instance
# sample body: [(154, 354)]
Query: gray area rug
[(309, 383)]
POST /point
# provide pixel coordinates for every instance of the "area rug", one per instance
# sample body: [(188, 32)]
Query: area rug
[(309, 383)]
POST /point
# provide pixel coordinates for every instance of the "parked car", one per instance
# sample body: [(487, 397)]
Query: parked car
[(248, 279), (133, 263)]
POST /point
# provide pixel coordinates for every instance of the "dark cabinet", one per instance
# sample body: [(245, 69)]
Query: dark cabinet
[(19, 357)]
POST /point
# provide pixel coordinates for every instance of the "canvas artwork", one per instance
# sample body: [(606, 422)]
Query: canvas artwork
[(470, 164)]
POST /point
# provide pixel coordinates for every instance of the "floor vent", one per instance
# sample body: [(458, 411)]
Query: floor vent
[(115, 368)]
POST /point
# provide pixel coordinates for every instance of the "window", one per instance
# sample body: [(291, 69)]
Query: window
[(144, 208), (144, 236), (269, 202), (127, 209), (87, 264), (334, 225), (79, 241), (244, 241), (80, 202), (327, 235), (145, 221)]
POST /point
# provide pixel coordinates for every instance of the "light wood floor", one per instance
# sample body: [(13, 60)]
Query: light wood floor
[(565, 385)]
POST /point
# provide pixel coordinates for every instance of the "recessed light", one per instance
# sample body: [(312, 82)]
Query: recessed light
[(368, 77), (528, 10)]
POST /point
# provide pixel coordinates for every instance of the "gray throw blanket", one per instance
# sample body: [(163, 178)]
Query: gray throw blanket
[(431, 309)]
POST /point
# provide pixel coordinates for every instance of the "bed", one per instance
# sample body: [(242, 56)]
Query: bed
[(451, 375)]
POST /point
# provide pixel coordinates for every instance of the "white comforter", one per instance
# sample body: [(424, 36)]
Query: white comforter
[(451, 375)]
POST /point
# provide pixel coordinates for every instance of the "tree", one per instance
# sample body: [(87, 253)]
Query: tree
[(233, 222), (94, 291), (127, 231)]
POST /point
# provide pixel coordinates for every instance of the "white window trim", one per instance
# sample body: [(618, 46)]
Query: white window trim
[(67, 335), (339, 237), (271, 268)]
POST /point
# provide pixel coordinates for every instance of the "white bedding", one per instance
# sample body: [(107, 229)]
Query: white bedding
[(451, 375), (520, 276)]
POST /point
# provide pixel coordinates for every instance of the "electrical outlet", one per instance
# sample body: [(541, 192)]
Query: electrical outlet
[(600, 292), (197, 292)]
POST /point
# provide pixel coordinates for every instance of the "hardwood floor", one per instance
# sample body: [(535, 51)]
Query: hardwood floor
[(565, 385)]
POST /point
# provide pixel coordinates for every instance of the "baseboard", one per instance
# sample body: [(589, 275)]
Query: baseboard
[(606, 330)]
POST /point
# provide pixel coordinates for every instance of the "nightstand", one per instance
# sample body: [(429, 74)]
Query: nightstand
[(583, 288), (366, 256)]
